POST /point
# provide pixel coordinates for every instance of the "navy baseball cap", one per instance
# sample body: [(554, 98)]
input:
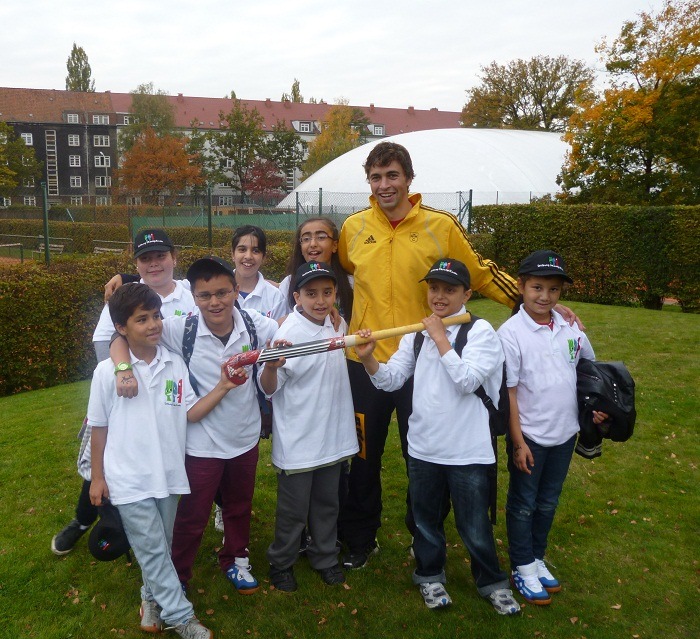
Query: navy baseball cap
[(544, 264), (450, 271), (147, 240), (209, 264), (311, 271), (108, 539)]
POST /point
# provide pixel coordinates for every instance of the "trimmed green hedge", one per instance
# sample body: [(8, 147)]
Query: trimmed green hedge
[(627, 255), (82, 233)]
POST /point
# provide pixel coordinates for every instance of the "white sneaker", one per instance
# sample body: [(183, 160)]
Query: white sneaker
[(192, 629), (150, 616), (218, 519), (549, 582), (435, 595), (525, 580), (504, 603)]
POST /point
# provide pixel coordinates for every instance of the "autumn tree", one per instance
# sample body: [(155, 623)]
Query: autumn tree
[(237, 144), (295, 94), (79, 76), (343, 128), (18, 164), (150, 110), (285, 148), (263, 180), (157, 165), (537, 94), (639, 142)]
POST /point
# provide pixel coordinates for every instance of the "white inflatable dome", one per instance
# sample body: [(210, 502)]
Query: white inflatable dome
[(498, 165)]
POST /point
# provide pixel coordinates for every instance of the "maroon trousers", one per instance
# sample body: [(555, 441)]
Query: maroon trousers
[(235, 478)]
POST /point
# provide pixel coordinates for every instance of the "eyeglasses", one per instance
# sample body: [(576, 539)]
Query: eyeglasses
[(219, 295), (319, 237)]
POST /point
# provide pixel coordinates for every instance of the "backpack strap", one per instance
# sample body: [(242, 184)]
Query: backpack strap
[(188, 338), (250, 327)]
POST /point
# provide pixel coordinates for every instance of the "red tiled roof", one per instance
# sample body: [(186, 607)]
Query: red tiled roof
[(48, 105)]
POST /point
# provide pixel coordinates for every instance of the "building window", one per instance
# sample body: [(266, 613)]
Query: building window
[(100, 119), (378, 129), (76, 181), (100, 140), (73, 160), (104, 200), (5, 201), (103, 180), (133, 201), (73, 118), (73, 140), (76, 199), (28, 139), (28, 182), (228, 163), (304, 127), (30, 200), (226, 200), (127, 119), (103, 160)]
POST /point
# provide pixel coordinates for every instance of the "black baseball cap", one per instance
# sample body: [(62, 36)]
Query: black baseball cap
[(450, 271), (108, 539), (209, 264), (311, 271), (147, 240), (544, 264)]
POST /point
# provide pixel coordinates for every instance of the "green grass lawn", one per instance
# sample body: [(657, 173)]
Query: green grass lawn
[(625, 541)]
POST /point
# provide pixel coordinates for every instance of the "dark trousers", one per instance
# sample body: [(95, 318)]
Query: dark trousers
[(360, 515), (85, 512)]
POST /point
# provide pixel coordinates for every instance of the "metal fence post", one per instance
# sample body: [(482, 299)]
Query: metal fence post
[(469, 212), (209, 214), (320, 201), (297, 208)]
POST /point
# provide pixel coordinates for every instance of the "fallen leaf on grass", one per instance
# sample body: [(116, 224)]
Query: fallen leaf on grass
[(76, 600), (321, 621), (616, 606), (103, 606), (210, 611), (354, 611), (341, 605), (346, 586), (613, 512), (573, 619)]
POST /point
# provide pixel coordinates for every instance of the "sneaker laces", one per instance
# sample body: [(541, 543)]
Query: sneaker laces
[(532, 582), (543, 571), (244, 573)]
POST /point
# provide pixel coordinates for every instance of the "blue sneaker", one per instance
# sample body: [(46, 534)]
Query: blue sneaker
[(547, 579), (526, 582), (242, 579)]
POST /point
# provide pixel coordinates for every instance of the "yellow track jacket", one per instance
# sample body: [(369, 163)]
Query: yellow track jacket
[(388, 263)]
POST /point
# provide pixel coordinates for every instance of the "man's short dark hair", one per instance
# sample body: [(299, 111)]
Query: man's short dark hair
[(127, 299), (249, 229), (385, 153)]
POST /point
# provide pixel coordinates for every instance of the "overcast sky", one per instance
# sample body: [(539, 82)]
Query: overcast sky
[(387, 52)]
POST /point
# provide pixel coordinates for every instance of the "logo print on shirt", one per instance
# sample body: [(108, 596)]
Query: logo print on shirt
[(413, 237), (173, 392), (370, 240)]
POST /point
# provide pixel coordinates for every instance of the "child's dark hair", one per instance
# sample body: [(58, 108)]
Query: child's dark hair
[(344, 290), (249, 229), (127, 299), (524, 277), (387, 152)]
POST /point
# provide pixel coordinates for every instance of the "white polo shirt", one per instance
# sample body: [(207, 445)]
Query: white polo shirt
[(179, 302), (145, 451), (541, 363), (313, 421), (265, 299), (449, 424), (233, 426)]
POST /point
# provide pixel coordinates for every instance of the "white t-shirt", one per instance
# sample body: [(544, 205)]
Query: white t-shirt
[(145, 452), (541, 362), (233, 426), (313, 421), (449, 423), (265, 299), (179, 302)]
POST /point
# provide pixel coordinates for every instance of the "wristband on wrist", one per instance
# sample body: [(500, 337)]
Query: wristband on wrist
[(122, 366)]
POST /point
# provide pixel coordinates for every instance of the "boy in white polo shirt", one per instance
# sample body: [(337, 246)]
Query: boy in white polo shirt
[(542, 352), (313, 431), (222, 446), (449, 440), (138, 454)]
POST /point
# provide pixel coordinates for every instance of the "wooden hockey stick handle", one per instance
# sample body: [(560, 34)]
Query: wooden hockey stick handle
[(354, 340)]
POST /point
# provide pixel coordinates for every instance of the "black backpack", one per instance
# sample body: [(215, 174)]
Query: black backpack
[(606, 387), (188, 339), (498, 417)]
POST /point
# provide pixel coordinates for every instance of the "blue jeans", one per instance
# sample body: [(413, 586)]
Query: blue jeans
[(533, 499), (469, 489)]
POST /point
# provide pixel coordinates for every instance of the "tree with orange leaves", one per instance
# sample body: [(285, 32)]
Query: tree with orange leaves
[(157, 165), (640, 141)]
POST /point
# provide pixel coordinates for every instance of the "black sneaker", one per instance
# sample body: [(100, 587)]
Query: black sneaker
[(63, 542), (283, 580), (332, 576), (358, 558)]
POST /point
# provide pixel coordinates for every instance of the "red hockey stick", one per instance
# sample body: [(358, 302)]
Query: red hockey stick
[(323, 345)]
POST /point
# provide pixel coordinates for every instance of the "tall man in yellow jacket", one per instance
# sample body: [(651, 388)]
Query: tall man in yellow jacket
[(388, 248)]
